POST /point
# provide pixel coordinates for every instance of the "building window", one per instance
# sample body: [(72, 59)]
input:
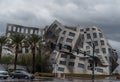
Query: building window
[(88, 36), (64, 32), (109, 49), (9, 28), (18, 29), (58, 30), (60, 69), (97, 51), (80, 65), (54, 26), (26, 50), (71, 63), (81, 30), (63, 56), (102, 42), (96, 43), (93, 28), (87, 29), (82, 36), (87, 47), (94, 35), (14, 28), (103, 50), (89, 43), (100, 34), (82, 59), (69, 40), (72, 57), (62, 62), (71, 34), (99, 70), (61, 39), (88, 52), (31, 31)]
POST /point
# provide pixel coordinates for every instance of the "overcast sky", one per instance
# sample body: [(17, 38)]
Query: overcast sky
[(37, 13), (103, 13)]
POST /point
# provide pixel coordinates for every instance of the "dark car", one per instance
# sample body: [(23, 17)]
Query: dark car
[(21, 74)]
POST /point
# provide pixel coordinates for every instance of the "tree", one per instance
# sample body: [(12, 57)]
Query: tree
[(17, 40), (3, 41), (33, 40)]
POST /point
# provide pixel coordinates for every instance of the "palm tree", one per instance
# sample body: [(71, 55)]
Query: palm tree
[(17, 40), (33, 42), (3, 41)]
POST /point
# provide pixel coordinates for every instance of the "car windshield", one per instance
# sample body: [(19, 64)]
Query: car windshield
[(3, 73), (24, 72)]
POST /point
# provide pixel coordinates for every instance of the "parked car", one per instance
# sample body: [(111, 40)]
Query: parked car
[(4, 74), (21, 74)]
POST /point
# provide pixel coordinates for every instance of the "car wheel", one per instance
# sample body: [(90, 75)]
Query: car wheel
[(12, 77), (5, 78), (26, 77)]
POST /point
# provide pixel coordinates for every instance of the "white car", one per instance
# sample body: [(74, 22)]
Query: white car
[(4, 74)]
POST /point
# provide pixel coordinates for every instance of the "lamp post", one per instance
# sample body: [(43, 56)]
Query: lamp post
[(93, 63), (93, 47)]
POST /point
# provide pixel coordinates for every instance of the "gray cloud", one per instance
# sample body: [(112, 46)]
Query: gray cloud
[(102, 13)]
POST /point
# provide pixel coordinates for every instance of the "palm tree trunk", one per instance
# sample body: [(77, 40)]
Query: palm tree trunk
[(0, 52), (16, 53), (33, 60)]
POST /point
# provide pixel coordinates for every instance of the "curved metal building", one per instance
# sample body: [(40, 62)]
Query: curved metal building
[(65, 57)]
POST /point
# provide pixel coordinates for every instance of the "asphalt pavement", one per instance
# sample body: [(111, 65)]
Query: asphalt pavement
[(50, 79)]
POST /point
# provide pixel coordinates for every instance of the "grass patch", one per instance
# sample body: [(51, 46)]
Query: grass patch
[(81, 76)]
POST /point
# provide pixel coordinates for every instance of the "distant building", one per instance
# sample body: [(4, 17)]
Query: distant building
[(25, 30), (67, 60), (13, 29)]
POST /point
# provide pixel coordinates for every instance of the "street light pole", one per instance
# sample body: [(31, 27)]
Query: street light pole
[(93, 63)]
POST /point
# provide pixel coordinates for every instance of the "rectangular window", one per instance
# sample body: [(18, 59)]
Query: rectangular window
[(94, 35), (9, 28), (93, 28), (82, 36), (82, 59), (88, 52), (31, 31), (87, 47), (58, 30), (100, 34), (54, 27), (18, 29), (99, 70), (87, 29), (62, 62), (89, 43), (102, 42), (64, 32), (81, 30), (14, 28), (103, 50), (80, 65), (69, 40), (26, 50), (72, 57), (71, 34), (71, 63), (96, 43), (61, 39), (63, 56), (88, 36), (60, 69), (97, 51)]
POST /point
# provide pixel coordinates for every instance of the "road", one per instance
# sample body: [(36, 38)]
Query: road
[(54, 80)]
